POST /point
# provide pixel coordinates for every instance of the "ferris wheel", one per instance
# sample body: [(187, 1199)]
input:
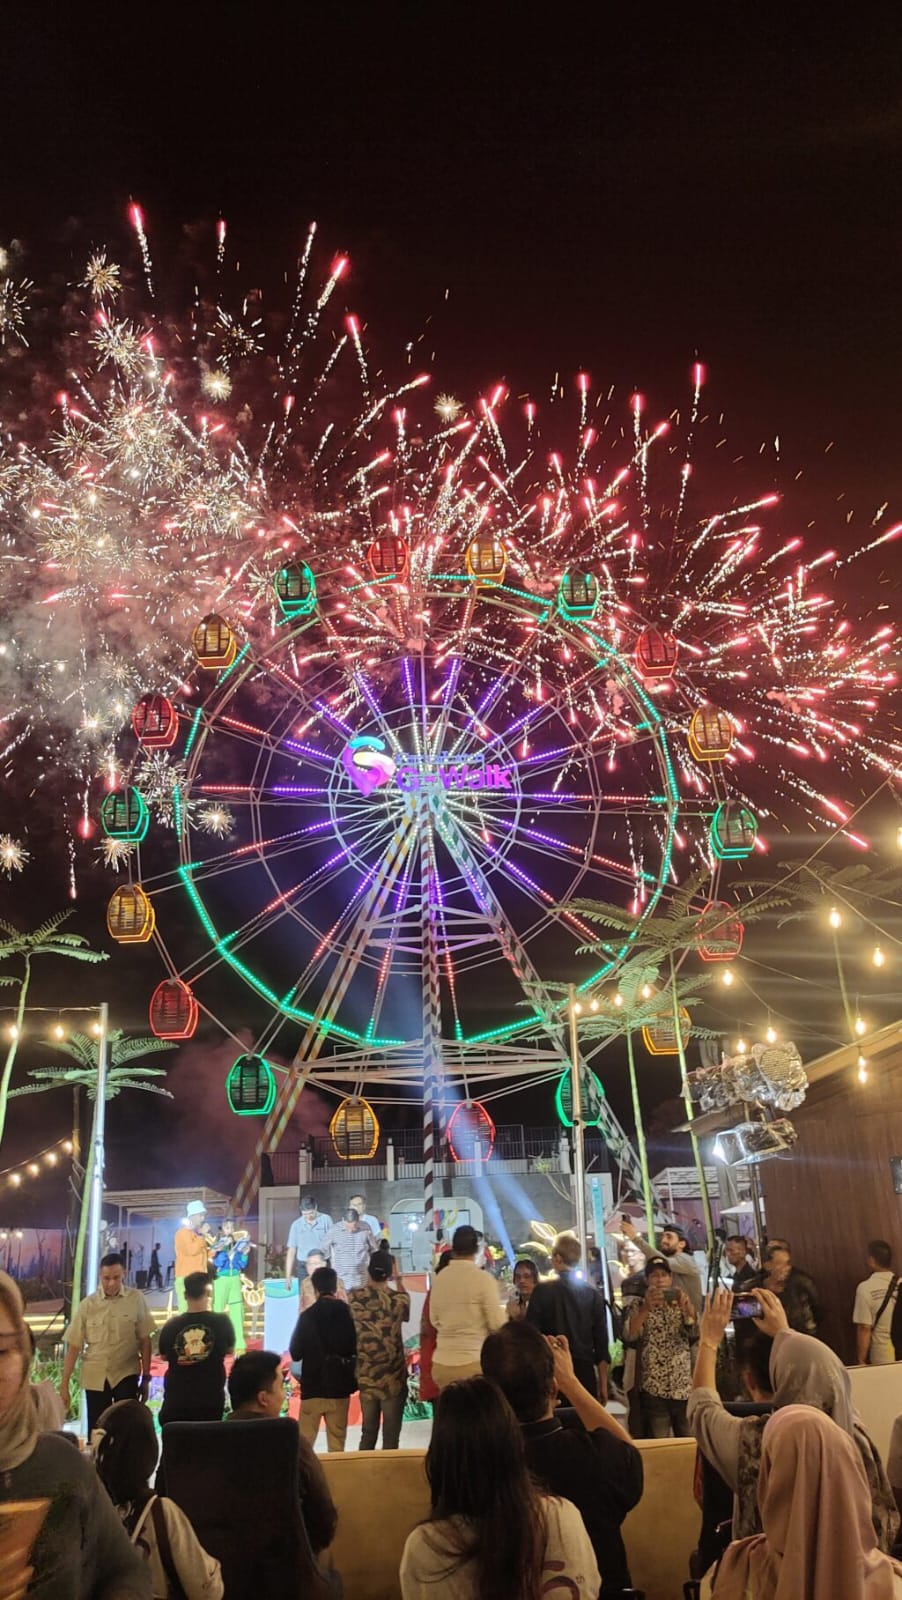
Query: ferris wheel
[(386, 800)]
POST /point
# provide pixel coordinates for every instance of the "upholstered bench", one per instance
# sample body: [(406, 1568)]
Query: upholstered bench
[(382, 1494)]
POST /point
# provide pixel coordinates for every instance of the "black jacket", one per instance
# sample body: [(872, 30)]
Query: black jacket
[(575, 1309), (325, 1343), (600, 1473)]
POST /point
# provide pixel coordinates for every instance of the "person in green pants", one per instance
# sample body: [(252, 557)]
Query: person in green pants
[(230, 1258)]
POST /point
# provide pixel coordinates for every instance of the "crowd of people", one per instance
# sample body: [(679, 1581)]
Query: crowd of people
[(530, 1474)]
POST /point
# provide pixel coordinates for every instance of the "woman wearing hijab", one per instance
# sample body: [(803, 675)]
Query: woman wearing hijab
[(802, 1372), (817, 1541), (179, 1566), (81, 1552)]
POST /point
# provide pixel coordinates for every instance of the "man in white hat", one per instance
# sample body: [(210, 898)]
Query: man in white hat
[(192, 1248)]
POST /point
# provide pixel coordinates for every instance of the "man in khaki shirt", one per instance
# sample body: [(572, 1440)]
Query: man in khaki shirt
[(464, 1306), (111, 1331)]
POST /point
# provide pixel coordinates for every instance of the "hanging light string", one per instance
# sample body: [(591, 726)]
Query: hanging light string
[(31, 1169)]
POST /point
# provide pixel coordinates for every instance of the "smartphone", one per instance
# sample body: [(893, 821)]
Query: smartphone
[(745, 1305), (671, 1296)]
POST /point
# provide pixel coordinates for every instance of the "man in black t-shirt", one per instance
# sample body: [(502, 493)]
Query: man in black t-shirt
[(195, 1344), (587, 1457)]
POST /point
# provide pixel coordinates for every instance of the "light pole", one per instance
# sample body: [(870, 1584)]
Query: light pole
[(579, 1154), (95, 1208)]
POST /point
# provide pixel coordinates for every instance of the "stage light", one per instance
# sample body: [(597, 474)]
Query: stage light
[(835, 919)]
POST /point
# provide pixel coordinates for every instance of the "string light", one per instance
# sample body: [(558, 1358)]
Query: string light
[(577, 1009), (594, 1006), (618, 999), (727, 977), (835, 919), (59, 1031), (33, 1169), (646, 991), (878, 958), (862, 1069), (771, 1034), (860, 1026), (741, 1046)]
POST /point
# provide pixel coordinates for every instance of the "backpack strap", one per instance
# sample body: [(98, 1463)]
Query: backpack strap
[(176, 1588), (893, 1286)]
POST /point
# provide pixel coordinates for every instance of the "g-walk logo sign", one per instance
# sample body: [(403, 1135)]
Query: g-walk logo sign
[(370, 767)]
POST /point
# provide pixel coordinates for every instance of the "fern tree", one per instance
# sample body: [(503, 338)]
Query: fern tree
[(636, 953), (121, 1073), (24, 949)]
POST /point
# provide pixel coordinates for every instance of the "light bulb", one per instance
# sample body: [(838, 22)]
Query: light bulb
[(59, 1031), (862, 1069), (618, 999), (860, 1026), (593, 1005), (727, 978), (34, 1169), (577, 1009), (771, 1035), (50, 1158), (95, 1029), (67, 1146), (646, 991), (899, 838), (878, 958), (741, 1046), (15, 1178), (835, 919)]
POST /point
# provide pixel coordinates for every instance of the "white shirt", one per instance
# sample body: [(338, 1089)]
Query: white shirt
[(570, 1568), (869, 1297), (464, 1306)]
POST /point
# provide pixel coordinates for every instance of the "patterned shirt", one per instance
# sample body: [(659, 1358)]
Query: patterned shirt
[(378, 1313), (665, 1346)]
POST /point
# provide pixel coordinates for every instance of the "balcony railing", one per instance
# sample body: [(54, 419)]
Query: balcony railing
[(517, 1149)]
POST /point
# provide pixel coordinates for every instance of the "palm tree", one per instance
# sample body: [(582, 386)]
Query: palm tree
[(635, 957), (121, 1074), (25, 947)]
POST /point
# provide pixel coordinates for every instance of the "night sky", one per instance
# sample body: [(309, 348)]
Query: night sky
[(526, 193)]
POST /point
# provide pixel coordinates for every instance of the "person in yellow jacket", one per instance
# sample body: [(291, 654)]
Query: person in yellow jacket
[(192, 1248)]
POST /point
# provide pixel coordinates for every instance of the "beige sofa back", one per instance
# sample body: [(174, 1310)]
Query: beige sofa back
[(382, 1494)]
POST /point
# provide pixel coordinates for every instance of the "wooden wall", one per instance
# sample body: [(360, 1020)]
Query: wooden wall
[(835, 1191)]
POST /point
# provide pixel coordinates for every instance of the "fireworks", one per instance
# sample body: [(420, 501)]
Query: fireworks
[(13, 855), (183, 456)]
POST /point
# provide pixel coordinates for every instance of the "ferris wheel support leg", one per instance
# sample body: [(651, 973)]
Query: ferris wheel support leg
[(317, 1031)]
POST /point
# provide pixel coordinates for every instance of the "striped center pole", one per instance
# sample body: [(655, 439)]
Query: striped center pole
[(432, 1015)]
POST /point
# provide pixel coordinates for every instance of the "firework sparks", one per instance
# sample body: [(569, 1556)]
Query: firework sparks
[(173, 477), (103, 277), (13, 855)]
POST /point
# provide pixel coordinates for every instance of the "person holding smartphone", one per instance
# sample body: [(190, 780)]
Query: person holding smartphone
[(662, 1327)]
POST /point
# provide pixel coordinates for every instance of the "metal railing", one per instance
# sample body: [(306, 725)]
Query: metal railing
[(517, 1148)]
